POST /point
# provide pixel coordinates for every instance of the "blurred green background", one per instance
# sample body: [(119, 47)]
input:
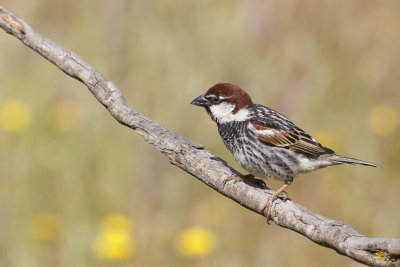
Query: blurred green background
[(78, 189)]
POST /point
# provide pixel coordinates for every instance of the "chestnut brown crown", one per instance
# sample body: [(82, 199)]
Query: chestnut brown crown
[(230, 93)]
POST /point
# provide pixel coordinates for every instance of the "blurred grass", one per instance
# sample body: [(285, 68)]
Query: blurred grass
[(329, 66)]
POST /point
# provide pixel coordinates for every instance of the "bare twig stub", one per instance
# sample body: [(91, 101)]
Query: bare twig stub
[(200, 163)]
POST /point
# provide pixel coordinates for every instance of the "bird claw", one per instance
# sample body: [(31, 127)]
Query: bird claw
[(235, 179), (267, 208), (284, 196), (242, 178)]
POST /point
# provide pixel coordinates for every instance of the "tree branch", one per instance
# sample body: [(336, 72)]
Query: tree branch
[(200, 163)]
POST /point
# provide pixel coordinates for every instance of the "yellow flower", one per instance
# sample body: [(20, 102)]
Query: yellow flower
[(45, 227), (63, 116), (114, 242), (383, 120), (14, 116), (326, 139), (196, 242)]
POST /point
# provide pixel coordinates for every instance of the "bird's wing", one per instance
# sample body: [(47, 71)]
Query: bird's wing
[(276, 130)]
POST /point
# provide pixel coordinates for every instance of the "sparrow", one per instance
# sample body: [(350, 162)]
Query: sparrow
[(263, 141)]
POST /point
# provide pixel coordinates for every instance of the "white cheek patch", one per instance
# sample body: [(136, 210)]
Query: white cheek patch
[(223, 112)]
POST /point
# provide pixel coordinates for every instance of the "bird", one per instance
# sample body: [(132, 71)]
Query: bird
[(264, 142)]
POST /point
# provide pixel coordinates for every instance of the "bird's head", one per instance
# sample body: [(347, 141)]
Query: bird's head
[(225, 103)]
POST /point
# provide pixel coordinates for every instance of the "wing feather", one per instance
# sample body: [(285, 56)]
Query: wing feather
[(292, 138)]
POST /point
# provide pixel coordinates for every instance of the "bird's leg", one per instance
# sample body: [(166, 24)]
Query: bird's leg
[(270, 200), (248, 177)]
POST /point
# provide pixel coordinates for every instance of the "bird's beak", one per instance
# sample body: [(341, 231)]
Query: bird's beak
[(201, 101)]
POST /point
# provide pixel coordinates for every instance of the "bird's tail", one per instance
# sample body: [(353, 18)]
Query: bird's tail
[(336, 159)]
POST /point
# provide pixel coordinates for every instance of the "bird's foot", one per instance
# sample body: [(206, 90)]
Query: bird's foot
[(278, 194), (242, 178), (284, 196), (267, 208)]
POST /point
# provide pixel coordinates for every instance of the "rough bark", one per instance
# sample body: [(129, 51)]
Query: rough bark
[(200, 163)]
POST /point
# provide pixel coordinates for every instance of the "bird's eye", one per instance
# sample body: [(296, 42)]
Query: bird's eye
[(215, 100)]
